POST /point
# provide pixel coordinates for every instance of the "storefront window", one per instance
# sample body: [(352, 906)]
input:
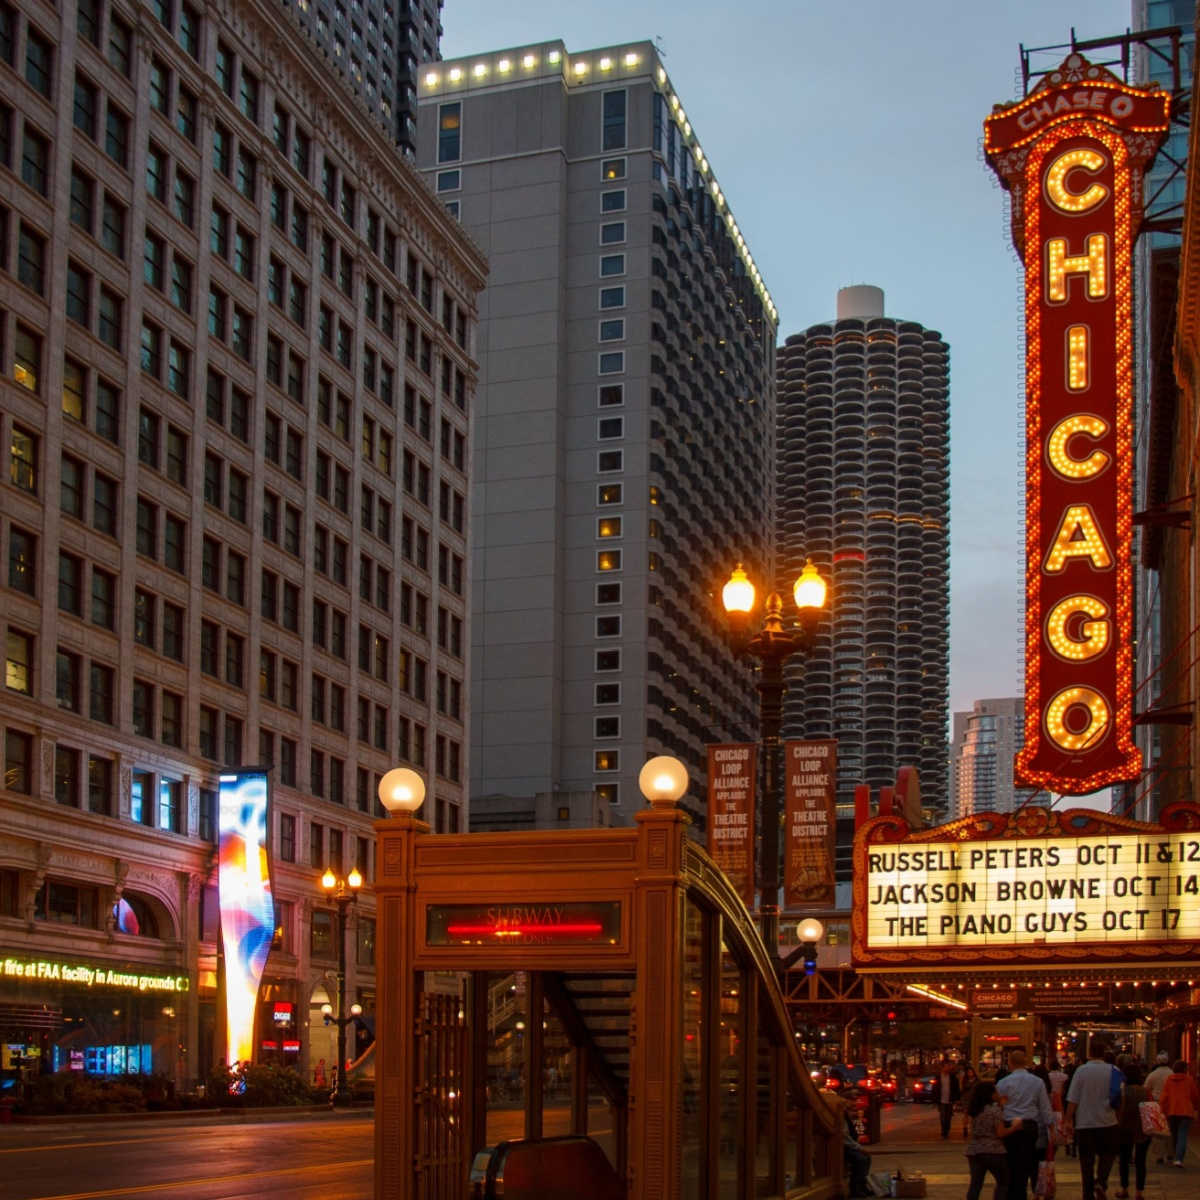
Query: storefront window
[(731, 1076), (692, 1081), (9, 893), (321, 945), (282, 941), (66, 904), (366, 942)]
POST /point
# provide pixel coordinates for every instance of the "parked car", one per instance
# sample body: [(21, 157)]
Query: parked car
[(841, 1076), (925, 1090), (883, 1082)]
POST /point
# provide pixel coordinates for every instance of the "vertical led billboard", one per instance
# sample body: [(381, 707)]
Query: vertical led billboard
[(247, 906), (1072, 153)]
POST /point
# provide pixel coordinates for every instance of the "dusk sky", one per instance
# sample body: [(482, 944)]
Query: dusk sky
[(846, 137)]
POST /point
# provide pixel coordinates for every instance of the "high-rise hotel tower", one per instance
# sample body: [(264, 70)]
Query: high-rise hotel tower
[(623, 449), (864, 491)]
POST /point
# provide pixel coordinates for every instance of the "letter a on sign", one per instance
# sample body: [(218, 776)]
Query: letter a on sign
[(1072, 154)]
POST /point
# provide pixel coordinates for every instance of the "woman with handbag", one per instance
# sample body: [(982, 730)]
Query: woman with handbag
[(985, 1145), (1180, 1099), (1132, 1139)]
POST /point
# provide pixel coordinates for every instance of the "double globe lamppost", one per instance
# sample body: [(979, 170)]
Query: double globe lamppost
[(772, 645)]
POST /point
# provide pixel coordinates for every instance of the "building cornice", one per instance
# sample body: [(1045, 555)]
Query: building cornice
[(292, 61)]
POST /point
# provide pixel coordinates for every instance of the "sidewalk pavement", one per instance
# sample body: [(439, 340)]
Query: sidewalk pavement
[(946, 1174), (912, 1144)]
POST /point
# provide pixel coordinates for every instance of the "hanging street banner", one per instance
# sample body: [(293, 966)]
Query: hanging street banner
[(732, 771), (810, 826), (1038, 887), (1073, 154)]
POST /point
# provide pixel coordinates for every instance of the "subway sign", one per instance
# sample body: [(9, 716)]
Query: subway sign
[(1041, 886), (1073, 153)]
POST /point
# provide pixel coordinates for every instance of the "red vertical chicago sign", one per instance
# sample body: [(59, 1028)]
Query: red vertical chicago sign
[(1073, 153)]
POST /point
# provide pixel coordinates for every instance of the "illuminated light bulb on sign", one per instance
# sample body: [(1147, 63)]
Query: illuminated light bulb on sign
[(1098, 712), (1077, 358), (1090, 639), (1056, 181), (1093, 263), (1078, 537), (1058, 446)]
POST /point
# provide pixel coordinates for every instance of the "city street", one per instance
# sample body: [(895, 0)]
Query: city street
[(330, 1158)]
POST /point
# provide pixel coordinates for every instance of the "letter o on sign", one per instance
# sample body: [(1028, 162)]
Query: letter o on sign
[(1070, 701)]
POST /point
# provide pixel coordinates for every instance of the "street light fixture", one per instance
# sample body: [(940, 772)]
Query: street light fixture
[(344, 893), (663, 780), (401, 790), (772, 645)]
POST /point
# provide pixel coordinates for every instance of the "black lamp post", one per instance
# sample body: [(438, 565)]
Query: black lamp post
[(344, 893), (772, 645)]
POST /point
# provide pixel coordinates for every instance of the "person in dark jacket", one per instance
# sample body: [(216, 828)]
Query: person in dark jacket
[(1132, 1145), (949, 1094)]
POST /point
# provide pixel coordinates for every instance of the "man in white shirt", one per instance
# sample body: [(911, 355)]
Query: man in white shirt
[(1090, 1113), (1025, 1096), (1154, 1085)]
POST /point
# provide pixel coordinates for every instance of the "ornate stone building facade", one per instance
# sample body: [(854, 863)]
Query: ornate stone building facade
[(236, 346)]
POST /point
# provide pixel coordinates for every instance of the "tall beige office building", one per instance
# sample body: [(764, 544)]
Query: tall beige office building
[(985, 742), (237, 339), (624, 439)]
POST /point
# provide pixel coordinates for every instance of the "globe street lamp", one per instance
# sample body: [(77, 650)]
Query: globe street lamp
[(344, 893), (772, 645), (402, 791)]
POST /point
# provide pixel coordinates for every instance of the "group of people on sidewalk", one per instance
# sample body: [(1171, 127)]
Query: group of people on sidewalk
[(1106, 1112)]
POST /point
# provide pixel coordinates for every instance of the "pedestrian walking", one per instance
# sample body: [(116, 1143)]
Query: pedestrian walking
[(1133, 1142), (1159, 1144), (949, 1094), (1092, 1118), (966, 1083), (1025, 1099), (986, 1138), (1180, 1100)]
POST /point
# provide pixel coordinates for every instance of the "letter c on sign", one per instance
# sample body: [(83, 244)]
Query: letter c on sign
[(1099, 719), (1074, 203), (1065, 464)]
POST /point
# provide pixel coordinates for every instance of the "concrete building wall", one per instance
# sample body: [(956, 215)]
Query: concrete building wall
[(610, 492)]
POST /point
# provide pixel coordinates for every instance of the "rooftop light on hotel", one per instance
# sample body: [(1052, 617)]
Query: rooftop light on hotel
[(431, 79), (631, 59), (455, 74), (662, 75), (581, 68), (529, 61), (480, 70), (504, 65), (606, 64), (554, 56), (675, 103)]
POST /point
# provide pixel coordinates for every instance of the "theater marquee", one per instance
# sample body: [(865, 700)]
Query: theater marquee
[(1042, 887), (1073, 153)]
